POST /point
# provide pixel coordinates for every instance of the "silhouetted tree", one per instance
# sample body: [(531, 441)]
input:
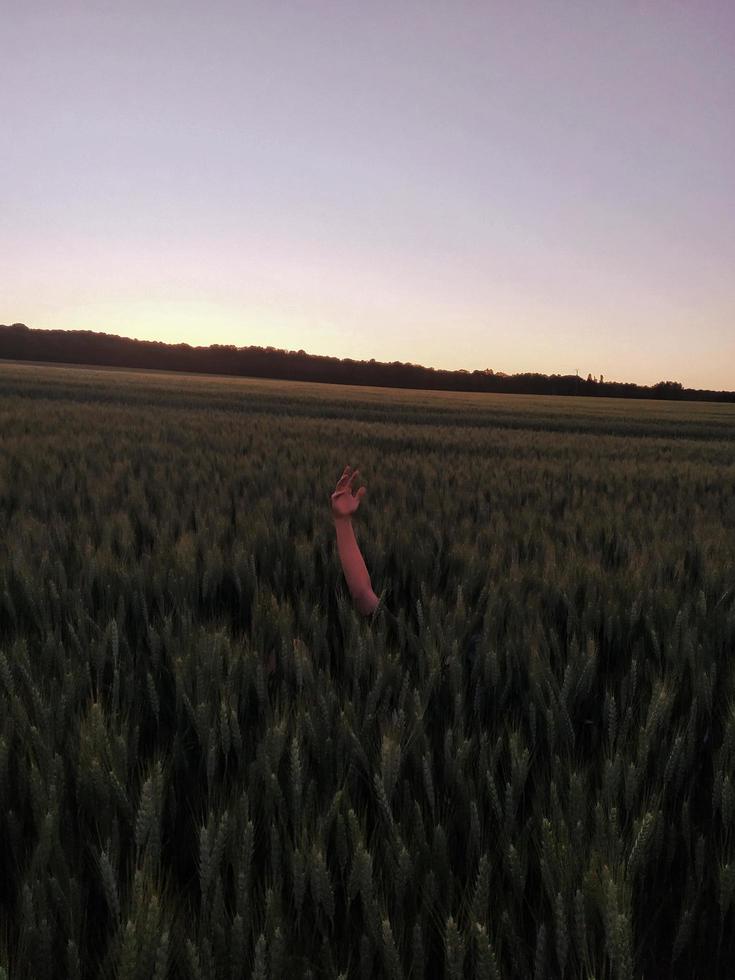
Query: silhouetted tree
[(18, 342)]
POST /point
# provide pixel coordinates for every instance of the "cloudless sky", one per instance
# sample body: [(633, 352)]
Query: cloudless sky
[(518, 185)]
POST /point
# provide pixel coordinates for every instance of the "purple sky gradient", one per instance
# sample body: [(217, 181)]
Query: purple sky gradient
[(523, 186)]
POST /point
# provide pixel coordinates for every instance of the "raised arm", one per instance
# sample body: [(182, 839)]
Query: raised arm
[(344, 505)]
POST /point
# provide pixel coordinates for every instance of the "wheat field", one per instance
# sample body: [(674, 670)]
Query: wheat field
[(560, 804)]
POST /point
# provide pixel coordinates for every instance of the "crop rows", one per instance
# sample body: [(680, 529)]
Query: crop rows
[(558, 801)]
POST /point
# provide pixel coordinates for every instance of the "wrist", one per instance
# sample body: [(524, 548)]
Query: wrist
[(342, 518)]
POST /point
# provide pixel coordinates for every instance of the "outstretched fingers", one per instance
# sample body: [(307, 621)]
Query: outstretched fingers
[(343, 479), (347, 479), (346, 484)]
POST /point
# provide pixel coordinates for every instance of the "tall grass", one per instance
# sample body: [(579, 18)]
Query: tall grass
[(560, 804)]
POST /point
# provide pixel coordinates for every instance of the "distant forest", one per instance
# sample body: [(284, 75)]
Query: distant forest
[(18, 342)]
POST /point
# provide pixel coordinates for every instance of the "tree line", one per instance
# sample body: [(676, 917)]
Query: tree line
[(19, 342)]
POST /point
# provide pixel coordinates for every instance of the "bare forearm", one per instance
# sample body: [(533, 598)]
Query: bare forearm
[(353, 566)]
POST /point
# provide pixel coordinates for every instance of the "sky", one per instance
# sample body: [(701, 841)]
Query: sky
[(526, 186)]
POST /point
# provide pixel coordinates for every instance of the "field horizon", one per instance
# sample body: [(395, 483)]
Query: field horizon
[(89, 348)]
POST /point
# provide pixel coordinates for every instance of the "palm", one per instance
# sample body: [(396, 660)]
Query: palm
[(344, 502)]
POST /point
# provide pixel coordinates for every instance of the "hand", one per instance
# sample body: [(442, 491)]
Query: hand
[(344, 502)]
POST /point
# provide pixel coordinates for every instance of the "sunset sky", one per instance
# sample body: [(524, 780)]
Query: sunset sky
[(524, 186)]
